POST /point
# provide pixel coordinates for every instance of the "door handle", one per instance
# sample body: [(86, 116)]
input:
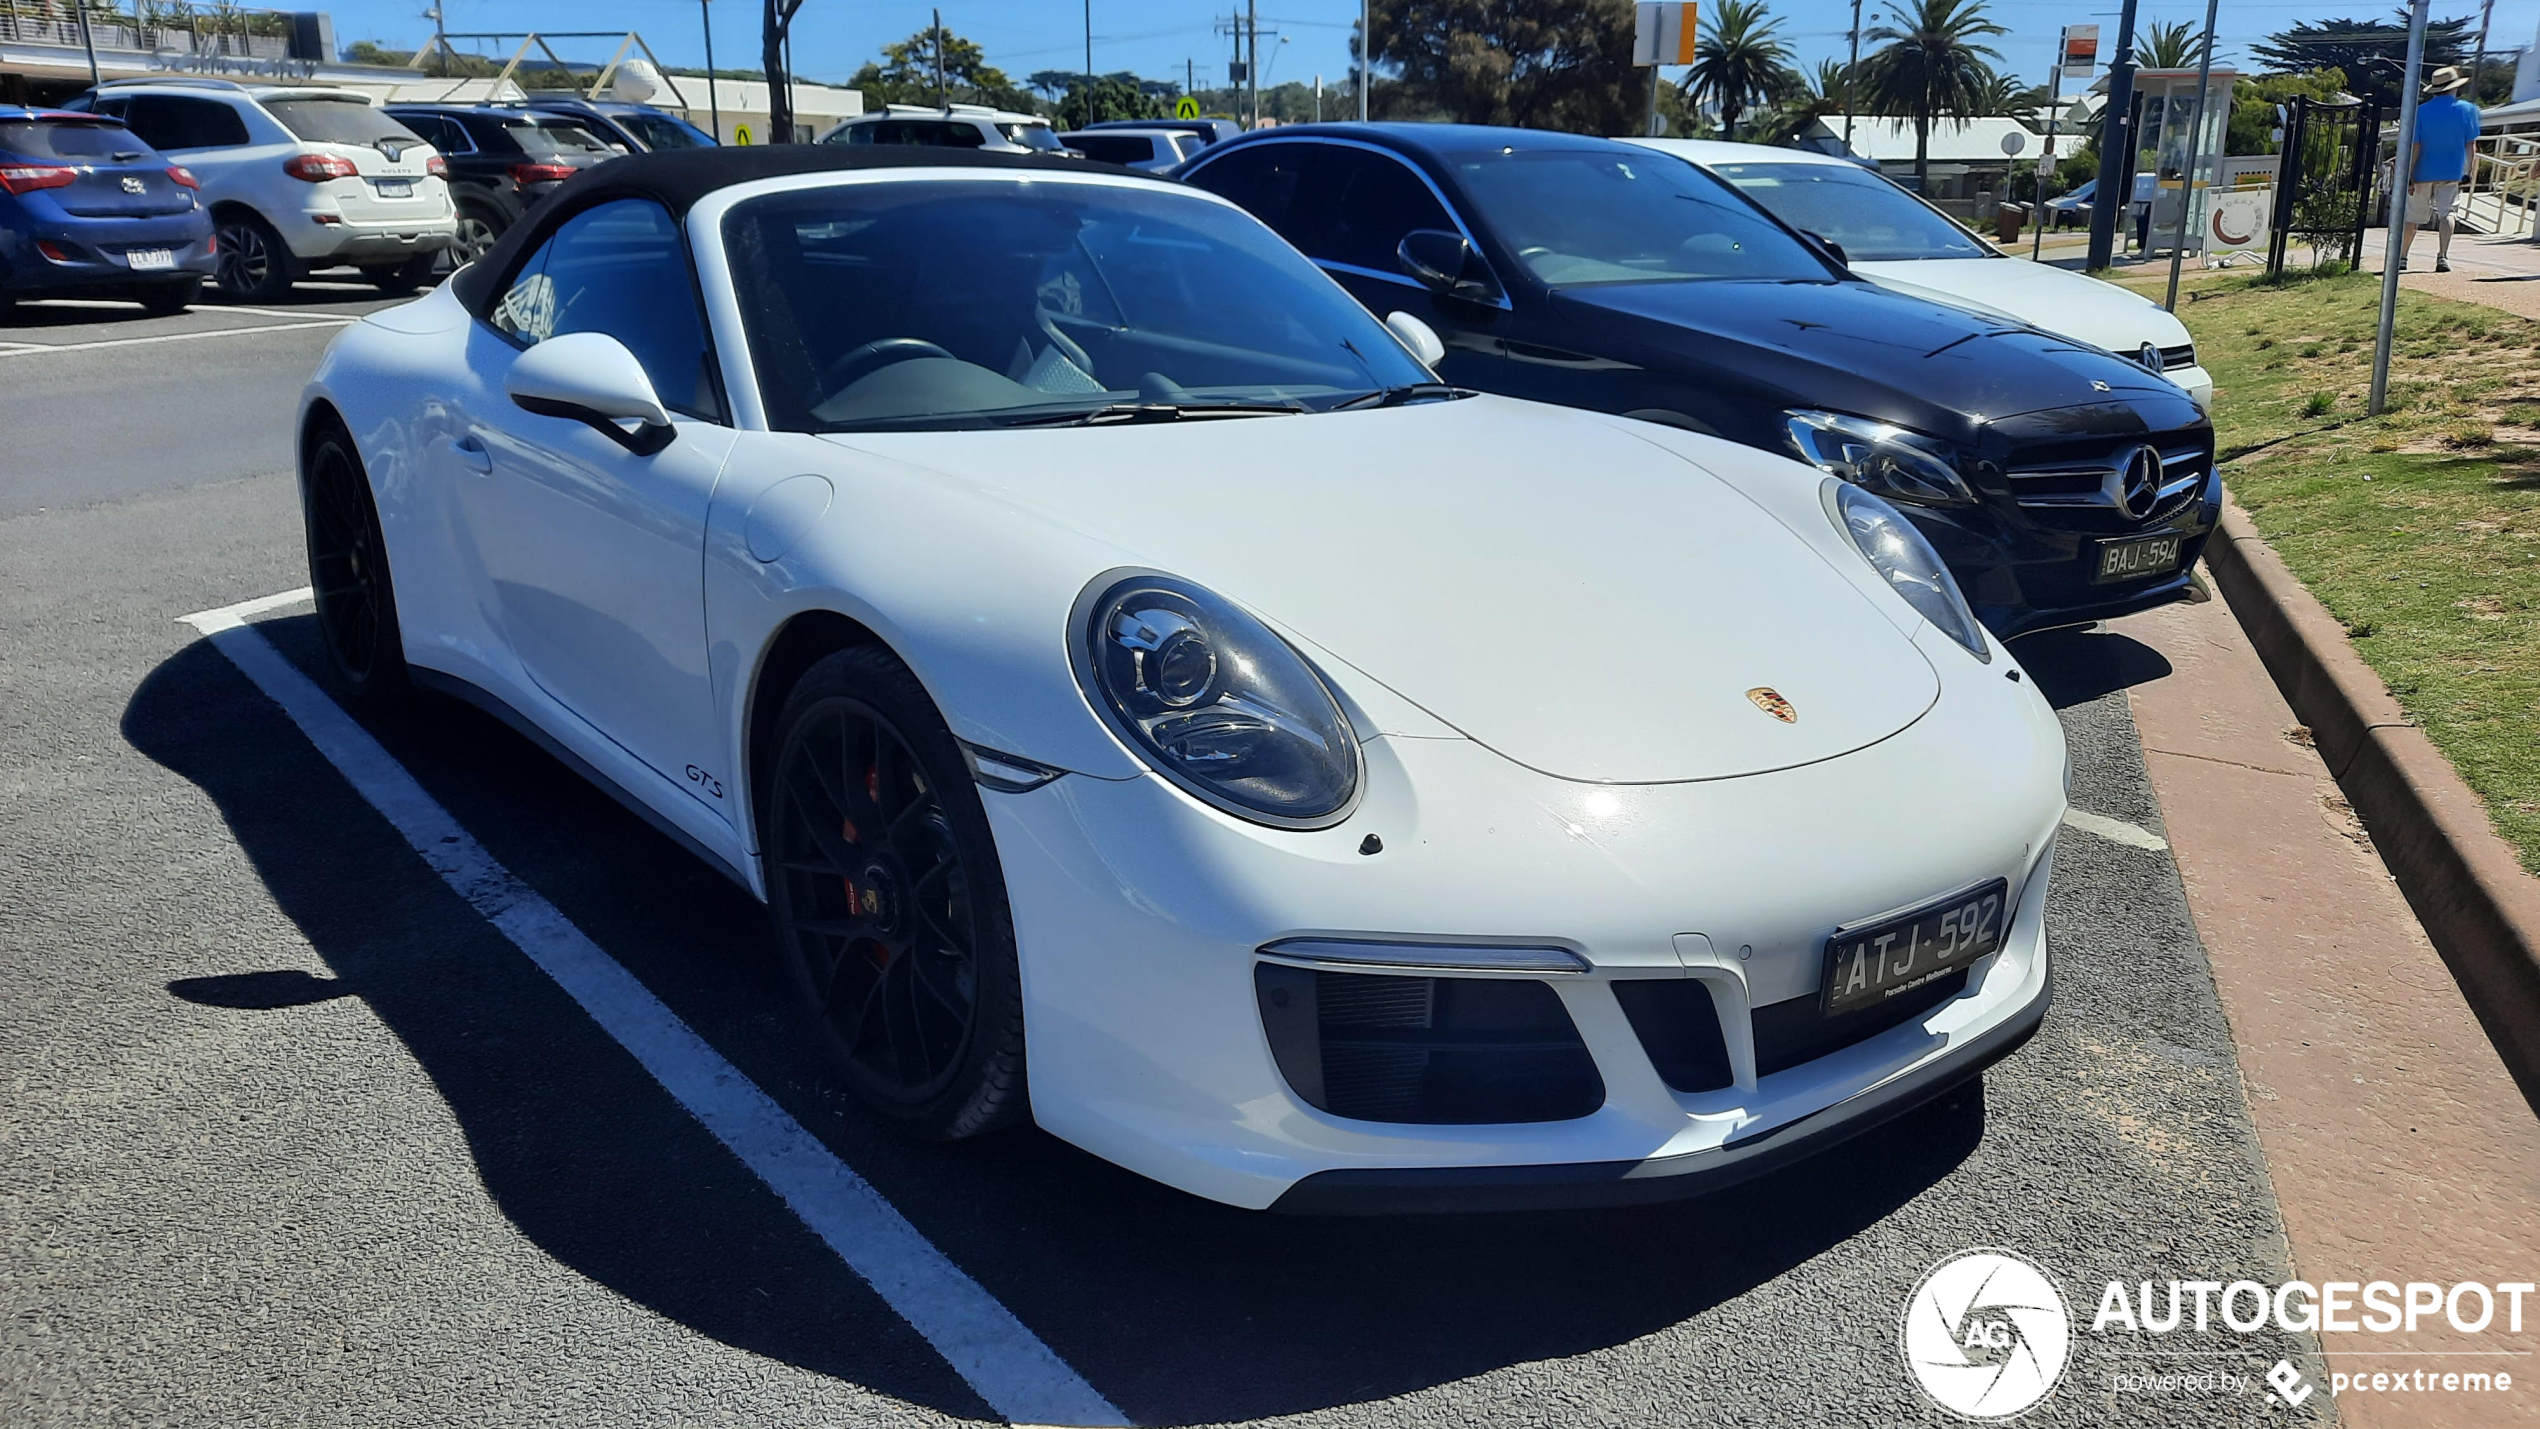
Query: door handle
[(472, 453)]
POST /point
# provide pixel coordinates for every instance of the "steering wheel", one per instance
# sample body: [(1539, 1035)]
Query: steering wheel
[(881, 352)]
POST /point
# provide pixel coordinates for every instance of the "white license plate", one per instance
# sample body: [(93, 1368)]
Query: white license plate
[(144, 260), (396, 188)]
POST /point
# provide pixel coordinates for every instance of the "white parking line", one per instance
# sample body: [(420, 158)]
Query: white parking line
[(34, 348), (1009, 1366), (2116, 831)]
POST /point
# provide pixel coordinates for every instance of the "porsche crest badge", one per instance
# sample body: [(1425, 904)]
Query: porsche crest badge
[(1769, 700)]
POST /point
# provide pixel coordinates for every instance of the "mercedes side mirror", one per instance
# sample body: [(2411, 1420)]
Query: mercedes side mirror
[(1832, 249), (1446, 264), (590, 377)]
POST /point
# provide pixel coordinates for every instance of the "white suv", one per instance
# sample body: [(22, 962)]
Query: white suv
[(959, 126), (296, 178)]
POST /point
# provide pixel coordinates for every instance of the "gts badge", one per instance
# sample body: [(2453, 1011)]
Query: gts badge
[(706, 783)]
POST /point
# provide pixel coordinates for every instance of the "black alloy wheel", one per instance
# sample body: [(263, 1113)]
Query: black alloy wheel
[(348, 569), (254, 264), (479, 228), (889, 903)]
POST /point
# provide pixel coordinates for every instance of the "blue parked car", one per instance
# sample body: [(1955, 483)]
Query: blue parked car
[(88, 210)]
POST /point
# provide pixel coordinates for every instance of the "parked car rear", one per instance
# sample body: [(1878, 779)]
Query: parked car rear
[(636, 128), (297, 178), (1153, 151), (88, 210), (502, 160)]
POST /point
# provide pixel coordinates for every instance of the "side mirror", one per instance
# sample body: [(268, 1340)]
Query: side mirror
[(1446, 264), (1418, 336), (591, 377), (1833, 249)]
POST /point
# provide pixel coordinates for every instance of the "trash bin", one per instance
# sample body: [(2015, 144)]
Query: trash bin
[(2007, 221)]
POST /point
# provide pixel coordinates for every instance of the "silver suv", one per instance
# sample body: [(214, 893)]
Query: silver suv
[(297, 178)]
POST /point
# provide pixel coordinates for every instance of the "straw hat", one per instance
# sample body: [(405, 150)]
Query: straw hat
[(2445, 80)]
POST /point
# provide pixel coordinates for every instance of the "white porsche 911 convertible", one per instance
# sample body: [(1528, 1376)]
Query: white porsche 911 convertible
[(1150, 704)]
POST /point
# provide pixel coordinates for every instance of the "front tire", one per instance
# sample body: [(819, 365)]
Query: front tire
[(889, 901), (255, 265), (348, 569)]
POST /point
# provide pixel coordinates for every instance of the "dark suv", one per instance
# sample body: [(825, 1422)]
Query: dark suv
[(502, 160), (636, 128)]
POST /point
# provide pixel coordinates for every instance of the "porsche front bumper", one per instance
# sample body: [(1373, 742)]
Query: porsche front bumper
[(1141, 917)]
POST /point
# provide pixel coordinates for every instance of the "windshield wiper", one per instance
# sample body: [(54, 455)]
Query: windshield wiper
[(1126, 413), (1407, 392)]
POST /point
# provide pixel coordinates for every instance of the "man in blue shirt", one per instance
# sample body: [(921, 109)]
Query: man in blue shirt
[(2447, 131)]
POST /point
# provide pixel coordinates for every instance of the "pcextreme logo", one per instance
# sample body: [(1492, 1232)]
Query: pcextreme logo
[(1985, 1334)]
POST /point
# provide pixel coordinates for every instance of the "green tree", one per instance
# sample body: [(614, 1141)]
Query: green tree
[(2171, 46), (2253, 102), (1932, 69), (1802, 101), (1543, 64), (2004, 97), (906, 75), (1738, 62), (1110, 96), (2370, 52)]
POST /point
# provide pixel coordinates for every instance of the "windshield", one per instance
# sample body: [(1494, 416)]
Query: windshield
[(660, 131), (555, 138), (56, 140), (1871, 219), (966, 304), (1031, 136), (1581, 216), (339, 121)]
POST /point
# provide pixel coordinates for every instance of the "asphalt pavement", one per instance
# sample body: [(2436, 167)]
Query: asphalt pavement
[(289, 1132)]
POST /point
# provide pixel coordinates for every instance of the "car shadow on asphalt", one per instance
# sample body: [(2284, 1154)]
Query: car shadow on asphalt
[(1177, 1309), (2077, 665)]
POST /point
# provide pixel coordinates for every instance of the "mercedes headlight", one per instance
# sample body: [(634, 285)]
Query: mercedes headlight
[(1216, 702), (1906, 562), (1895, 463)]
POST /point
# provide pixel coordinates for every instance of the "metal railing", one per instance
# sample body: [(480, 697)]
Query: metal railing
[(150, 26), (2502, 192)]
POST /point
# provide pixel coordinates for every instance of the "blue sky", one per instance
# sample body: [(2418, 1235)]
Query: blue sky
[(1153, 37)]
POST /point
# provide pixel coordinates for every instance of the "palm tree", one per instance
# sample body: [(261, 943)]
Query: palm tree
[(2171, 46), (1932, 68), (2005, 97), (1803, 100), (1737, 61)]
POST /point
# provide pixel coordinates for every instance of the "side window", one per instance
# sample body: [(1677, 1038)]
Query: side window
[(170, 122), (1263, 182), (1370, 201), (619, 269), (959, 136)]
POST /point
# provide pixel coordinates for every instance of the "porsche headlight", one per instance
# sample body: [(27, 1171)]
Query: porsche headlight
[(1217, 703), (1888, 459), (1907, 562)]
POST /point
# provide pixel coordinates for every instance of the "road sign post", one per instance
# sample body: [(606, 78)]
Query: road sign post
[(1663, 33)]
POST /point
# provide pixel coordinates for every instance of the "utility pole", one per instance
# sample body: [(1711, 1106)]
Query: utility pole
[(1252, 67), (714, 101), (88, 42), (440, 42), (2195, 142), (2403, 169), (2046, 160), (2486, 13), (1367, 53), (943, 96), (1852, 78), (1089, 63), (1190, 79), (2116, 146)]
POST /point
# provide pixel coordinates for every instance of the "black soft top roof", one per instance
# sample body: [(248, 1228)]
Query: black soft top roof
[(678, 178)]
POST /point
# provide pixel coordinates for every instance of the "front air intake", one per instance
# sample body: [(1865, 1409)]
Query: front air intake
[(1435, 1050)]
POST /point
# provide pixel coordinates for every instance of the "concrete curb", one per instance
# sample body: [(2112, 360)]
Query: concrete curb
[(2466, 884)]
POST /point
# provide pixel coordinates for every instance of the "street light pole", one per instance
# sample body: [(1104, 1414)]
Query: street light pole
[(88, 43), (2195, 140), (2400, 173), (1852, 78), (2116, 146), (2046, 161), (714, 101), (1367, 54)]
